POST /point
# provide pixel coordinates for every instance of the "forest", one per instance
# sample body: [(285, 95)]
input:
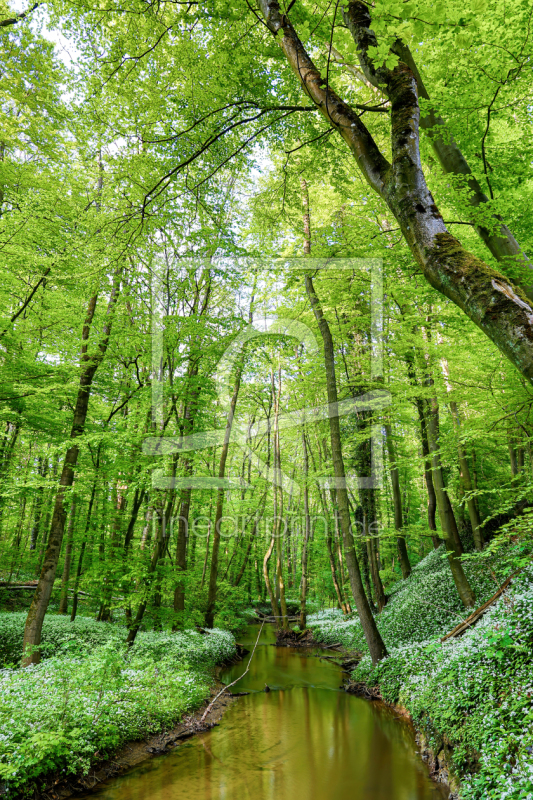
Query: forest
[(266, 367)]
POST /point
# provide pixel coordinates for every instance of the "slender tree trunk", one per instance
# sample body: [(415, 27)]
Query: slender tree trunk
[(336, 586), (428, 474), (251, 541), (46, 525), (138, 500), (63, 598), (212, 592), (43, 469), (397, 503), (329, 543), (113, 552), (283, 622), (84, 543), (270, 591), (446, 513), (41, 598), (373, 637), (449, 526), (466, 481), (181, 545), (306, 534), (159, 549), (145, 536)]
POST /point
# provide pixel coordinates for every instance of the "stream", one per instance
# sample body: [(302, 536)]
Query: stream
[(306, 738)]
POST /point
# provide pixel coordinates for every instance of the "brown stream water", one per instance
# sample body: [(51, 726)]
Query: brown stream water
[(306, 738)]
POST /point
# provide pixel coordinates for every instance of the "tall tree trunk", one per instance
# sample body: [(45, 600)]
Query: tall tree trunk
[(428, 475), (181, 544), (43, 469), (251, 541), (331, 554), (306, 534), (159, 550), (46, 525), (187, 427), (369, 525), (397, 503), (63, 598), (90, 363), (270, 590), (138, 499), (375, 643), (213, 574), (84, 542), (445, 508), (464, 469), (448, 524), (113, 552), (421, 407), (466, 481), (283, 622)]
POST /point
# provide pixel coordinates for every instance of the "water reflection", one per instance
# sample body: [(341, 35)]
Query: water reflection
[(304, 739)]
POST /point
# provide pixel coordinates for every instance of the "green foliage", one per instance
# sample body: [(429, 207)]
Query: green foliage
[(90, 697), (424, 605)]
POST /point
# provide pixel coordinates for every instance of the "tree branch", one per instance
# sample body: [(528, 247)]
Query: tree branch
[(19, 17)]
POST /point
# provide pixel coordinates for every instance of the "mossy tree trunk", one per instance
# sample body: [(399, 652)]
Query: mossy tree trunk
[(498, 307)]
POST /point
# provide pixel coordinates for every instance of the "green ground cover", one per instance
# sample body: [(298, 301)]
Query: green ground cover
[(91, 694), (472, 694)]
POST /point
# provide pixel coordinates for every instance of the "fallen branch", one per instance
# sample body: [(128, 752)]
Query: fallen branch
[(211, 704), (479, 612)]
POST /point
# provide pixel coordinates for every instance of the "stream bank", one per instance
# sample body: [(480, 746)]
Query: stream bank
[(134, 753), (92, 696), (304, 737)]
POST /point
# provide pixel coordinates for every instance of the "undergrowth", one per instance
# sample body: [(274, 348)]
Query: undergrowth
[(91, 694)]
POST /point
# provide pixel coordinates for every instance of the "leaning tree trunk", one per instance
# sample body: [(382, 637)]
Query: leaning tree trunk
[(90, 363), (497, 237), (375, 643), (499, 308)]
